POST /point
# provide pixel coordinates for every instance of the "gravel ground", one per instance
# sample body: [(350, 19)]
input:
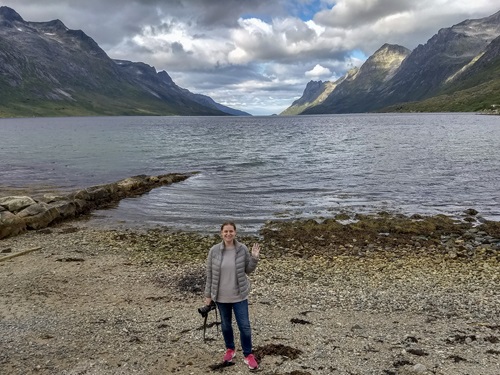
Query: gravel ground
[(90, 301)]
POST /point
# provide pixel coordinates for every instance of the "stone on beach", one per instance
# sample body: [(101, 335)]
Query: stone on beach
[(16, 203)]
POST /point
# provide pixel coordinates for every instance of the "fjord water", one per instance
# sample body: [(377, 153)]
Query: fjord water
[(254, 169)]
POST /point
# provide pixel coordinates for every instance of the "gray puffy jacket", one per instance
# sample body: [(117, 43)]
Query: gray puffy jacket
[(245, 264)]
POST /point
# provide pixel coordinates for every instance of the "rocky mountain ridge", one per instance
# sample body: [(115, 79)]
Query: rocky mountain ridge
[(454, 58), (47, 69), (315, 93)]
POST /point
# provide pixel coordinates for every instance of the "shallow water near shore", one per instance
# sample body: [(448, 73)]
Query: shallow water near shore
[(254, 169)]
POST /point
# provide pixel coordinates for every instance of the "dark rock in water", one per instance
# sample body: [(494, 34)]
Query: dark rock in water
[(21, 213), (471, 212)]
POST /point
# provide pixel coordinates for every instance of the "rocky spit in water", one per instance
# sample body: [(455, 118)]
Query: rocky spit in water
[(19, 213), (378, 294)]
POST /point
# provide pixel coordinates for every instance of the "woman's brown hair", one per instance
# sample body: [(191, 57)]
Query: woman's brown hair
[(228, 223)]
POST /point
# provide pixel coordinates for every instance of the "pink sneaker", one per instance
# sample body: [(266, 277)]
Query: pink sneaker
[(228, 357), (251, 362)]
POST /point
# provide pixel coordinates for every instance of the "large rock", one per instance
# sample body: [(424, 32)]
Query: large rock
[(66, 209), (80, 194), (16, 203), (10, 224), (49, 198), (99, 193), (33, 210), (131, 183), (39, 215)]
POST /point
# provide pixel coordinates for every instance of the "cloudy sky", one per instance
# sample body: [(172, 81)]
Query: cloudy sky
[(253, 55)]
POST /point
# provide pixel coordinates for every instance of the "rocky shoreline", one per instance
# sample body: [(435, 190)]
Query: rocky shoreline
[(20, 213), (379, 294)]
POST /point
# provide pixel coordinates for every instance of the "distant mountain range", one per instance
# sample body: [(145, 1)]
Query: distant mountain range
[(458, 69), (47, 69)]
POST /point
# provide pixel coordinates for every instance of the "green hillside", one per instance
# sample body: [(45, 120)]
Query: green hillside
[(480, 92)]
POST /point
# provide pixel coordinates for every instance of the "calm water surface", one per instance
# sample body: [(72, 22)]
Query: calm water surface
[(255, 169)]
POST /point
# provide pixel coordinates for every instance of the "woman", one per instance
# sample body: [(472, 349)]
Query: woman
[(228, 264)]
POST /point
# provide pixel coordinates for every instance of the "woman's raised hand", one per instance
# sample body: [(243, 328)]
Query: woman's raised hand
[(255, 250)]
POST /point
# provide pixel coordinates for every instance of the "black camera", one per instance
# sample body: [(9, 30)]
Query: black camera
[(206, 309)]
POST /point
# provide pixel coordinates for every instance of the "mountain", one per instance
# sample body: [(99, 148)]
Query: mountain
[(474, 88), (454, 71), (47, 69), (314, 93), (356, 91), (161, 83)]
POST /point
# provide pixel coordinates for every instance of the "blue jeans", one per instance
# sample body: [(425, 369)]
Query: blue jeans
[(241, 314)]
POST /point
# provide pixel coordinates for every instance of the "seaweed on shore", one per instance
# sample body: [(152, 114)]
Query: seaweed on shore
[(277, 350), (364, 235), (381, 232)]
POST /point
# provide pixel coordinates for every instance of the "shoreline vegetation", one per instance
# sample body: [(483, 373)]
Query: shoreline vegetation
[(364, 294)]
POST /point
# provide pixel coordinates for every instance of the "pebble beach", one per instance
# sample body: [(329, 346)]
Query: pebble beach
[(381, 295)]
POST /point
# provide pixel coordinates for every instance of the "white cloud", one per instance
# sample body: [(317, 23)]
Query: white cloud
[(353, 13), (318, 71)]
